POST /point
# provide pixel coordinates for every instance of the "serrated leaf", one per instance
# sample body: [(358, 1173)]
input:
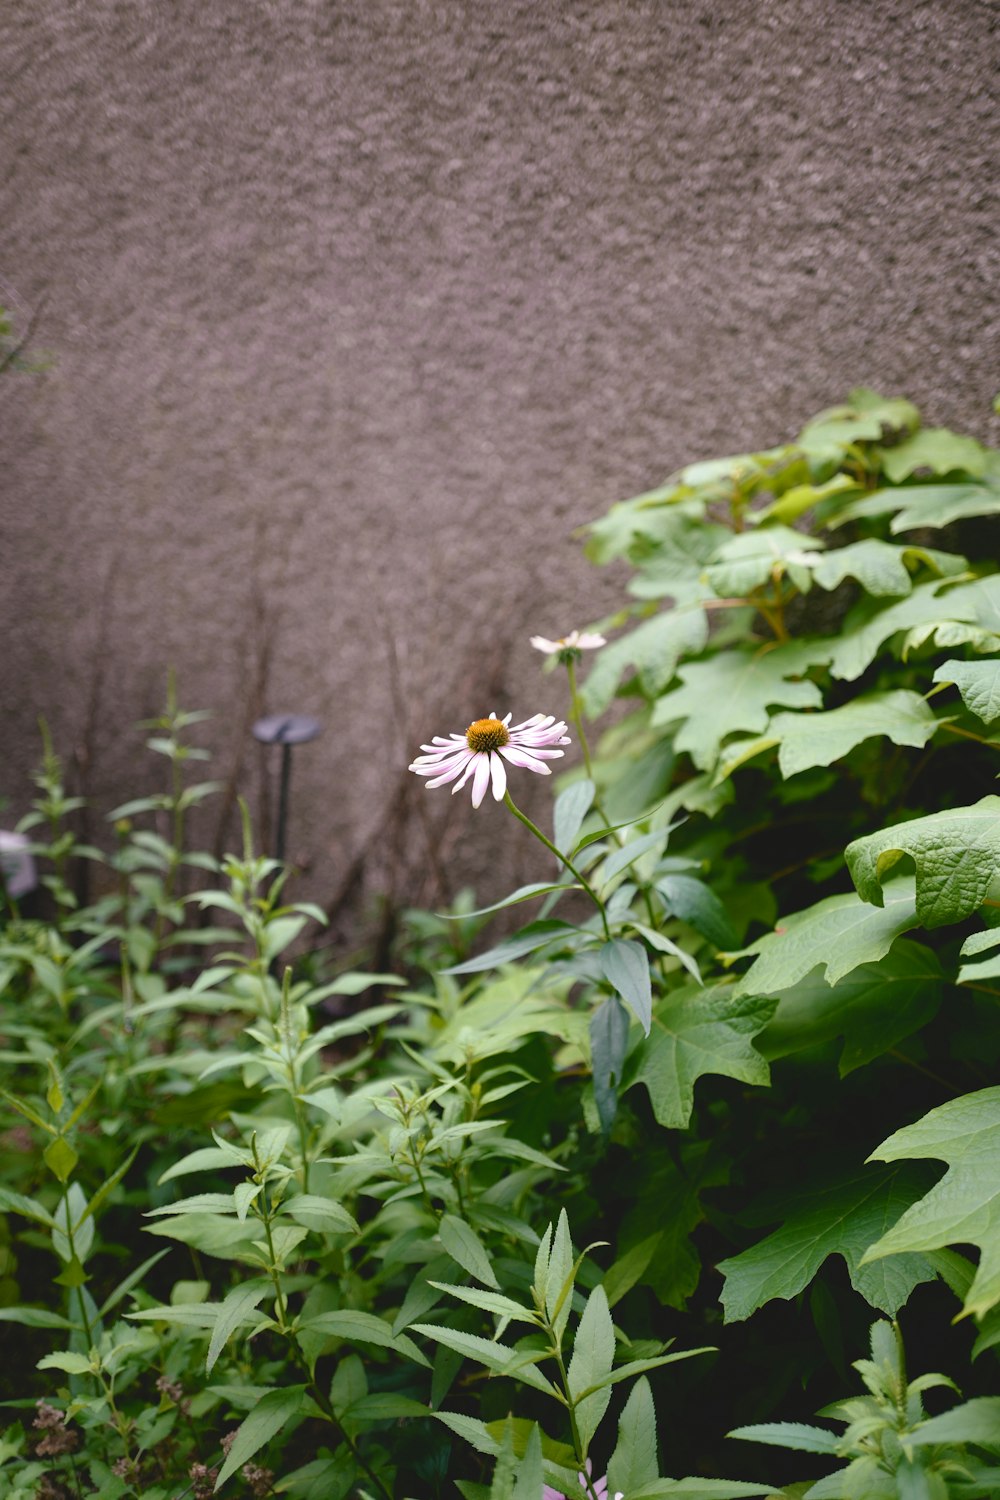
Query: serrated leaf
[(362, 1328), (319, 1214), (732, 692), (844, 1218), (697, 1031), (975, 1421), (956, 854), (633, 1462), (591, 1364), (466, 1248), (979, 684), (799, 1435), (237, 1309), (872, 1008), (964, 1207), (818, 739), (70, 1364), (492, 1302), (924, 505), (272, 1412), (497, 1358), (750, 559), (625, 965), (838, 935)]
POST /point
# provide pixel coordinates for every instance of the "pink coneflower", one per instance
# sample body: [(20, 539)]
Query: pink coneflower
[(481, 751), (577, 640)]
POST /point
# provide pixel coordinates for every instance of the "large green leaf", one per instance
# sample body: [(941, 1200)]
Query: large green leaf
[(924, 505), (732, 692), (806, 740), (956, 853), (652, 650), (751, 559), (872, 1008), (868, 627), (837, 935), (843, 1218), (880, 567), (979, 684), (937, 449), (697, 1031), (964, 1207)]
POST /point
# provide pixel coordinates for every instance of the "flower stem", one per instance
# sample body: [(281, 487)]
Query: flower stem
[(576, 714), (533, 828)]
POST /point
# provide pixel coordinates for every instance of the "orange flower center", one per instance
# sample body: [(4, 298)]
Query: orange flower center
[(487, 734)]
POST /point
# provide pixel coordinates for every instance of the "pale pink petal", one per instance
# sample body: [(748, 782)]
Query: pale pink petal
[(541, 644), (481, 779), (470, 768), (590, 641), (454, 769), (498, 772), (529, 759)]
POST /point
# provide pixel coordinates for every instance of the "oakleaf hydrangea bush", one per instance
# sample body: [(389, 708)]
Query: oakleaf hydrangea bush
[(550, 1215)]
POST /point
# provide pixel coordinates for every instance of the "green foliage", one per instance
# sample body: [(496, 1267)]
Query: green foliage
[(271, 1228)]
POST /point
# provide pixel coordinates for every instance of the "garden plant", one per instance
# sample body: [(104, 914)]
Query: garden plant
[(637, 1189)]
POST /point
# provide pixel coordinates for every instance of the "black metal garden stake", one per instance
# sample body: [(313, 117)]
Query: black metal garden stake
[(285, 730)]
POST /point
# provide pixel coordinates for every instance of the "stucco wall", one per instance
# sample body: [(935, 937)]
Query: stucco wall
[(358, 307)]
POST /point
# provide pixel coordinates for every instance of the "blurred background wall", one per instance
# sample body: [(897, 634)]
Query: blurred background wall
[(355, 309)]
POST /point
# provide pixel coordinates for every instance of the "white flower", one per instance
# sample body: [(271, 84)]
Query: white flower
[(577, 640), (481, 751)]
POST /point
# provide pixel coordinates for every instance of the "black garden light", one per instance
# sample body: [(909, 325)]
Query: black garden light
[(285, 730)]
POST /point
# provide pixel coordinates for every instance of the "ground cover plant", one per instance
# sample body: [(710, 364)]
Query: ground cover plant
[(711, 1138)]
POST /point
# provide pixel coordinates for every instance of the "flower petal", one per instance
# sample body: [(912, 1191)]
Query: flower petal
[(481, 779), (498, 771)]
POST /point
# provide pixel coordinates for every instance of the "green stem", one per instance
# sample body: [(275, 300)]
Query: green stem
[(563, 859), (576, 714)]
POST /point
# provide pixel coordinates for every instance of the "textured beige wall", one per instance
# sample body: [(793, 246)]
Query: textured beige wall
[(359, 307)]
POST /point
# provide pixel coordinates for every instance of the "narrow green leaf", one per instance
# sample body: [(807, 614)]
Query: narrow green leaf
[(319, 1214), (238, 1308), (363, 1328), (693, 902), (633, 1462), (797, 1435), (609, 1027), (571, 807), (272, 1413), (496, 1357), (492, 1302), (975, 1421), (625, 966), (464, 1246), (590, 1365), (531, 938)]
